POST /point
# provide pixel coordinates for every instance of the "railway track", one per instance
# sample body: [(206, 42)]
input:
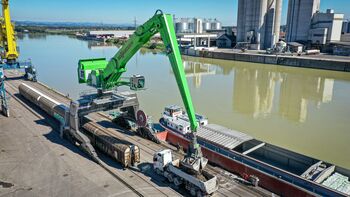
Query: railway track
[(109, 133), (147, 147), (150, 148), (102, 164)]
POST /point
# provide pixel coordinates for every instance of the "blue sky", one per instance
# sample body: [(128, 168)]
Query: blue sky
[(117, 11)]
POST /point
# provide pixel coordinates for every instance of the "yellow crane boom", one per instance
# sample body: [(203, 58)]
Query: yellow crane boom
[(8, 37), (9, 55)]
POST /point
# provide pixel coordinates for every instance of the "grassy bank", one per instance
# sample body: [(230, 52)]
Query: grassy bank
[(155, 44)]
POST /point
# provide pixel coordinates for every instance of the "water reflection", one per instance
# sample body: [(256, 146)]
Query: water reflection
[(94, 45), (298, 91), (37, 36), (20, 36), (259, 91), (196, 70), (254, 91)]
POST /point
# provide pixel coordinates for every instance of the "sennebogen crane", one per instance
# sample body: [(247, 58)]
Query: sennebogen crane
[(106, 76), (9, 55)]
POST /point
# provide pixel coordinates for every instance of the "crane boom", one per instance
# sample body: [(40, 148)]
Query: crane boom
[(108, 75), (9, 55), (8, 34)]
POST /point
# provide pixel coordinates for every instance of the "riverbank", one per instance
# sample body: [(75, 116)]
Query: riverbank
[(154, 44), (325, 62)]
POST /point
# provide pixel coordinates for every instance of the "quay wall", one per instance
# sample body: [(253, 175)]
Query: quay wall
[(304, 62)]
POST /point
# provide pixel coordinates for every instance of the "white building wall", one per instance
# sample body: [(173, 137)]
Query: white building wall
[(330, 21), (116, 33), (336, 28)]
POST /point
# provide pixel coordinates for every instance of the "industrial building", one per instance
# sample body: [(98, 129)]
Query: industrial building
[(225, 41), (299, 18), (259, 22), (196, 25), (346, 27), (197, 32), (345, 37), (326, 27), (111, 34), (197, 40)]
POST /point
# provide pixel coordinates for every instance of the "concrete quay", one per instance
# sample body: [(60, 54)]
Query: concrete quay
[(35, 161), (326, 62)]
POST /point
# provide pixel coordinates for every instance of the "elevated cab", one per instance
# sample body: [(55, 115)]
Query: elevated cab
[(87, 70)]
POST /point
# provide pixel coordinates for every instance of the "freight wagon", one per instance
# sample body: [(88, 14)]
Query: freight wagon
[(44, 102), (126, 154), (123, 152)]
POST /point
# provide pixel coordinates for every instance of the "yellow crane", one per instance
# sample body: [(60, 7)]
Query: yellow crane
[(9, 55), (8, 37)]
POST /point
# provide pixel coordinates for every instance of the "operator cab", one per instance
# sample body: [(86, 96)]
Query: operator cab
[(137, 82), (162, 158), (173, 111)]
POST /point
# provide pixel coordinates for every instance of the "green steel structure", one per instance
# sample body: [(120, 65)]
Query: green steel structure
[(106, 75)]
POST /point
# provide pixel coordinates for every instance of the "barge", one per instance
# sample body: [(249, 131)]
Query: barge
[(279, 170)]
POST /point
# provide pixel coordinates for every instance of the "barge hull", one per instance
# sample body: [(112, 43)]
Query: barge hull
[(280, 182)]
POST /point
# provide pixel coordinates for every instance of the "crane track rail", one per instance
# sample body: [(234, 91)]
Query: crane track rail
[(145, 146), (148, 149), (110, 133), (101, 164)]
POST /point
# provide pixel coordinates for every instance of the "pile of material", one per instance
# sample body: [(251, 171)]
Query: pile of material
[(338, 182)]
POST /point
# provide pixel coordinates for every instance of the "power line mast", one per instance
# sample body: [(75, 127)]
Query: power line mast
[(135, 23)]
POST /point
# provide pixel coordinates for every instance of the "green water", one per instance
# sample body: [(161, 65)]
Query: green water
[(305, 110)]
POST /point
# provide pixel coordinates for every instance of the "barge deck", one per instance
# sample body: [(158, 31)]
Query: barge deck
[(282, 171)]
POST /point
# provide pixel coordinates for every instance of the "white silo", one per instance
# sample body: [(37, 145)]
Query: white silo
[(206, 25), (215, 25), (258, 22), (182, 25), (198, 25), (299, 19)]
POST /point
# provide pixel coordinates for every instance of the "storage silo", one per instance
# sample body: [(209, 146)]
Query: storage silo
[(198, 25), (178, 27), (206, 25), (258, 22), (215, 25), (299, 19), (273, 22), (190, 22), (182, 26)]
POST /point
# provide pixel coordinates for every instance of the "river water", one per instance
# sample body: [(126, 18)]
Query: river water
[(304, 110)]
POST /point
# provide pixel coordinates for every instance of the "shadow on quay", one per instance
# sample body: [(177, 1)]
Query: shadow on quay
[(53, 136)]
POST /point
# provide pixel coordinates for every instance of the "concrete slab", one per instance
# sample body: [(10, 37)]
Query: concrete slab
[(38, 163)]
